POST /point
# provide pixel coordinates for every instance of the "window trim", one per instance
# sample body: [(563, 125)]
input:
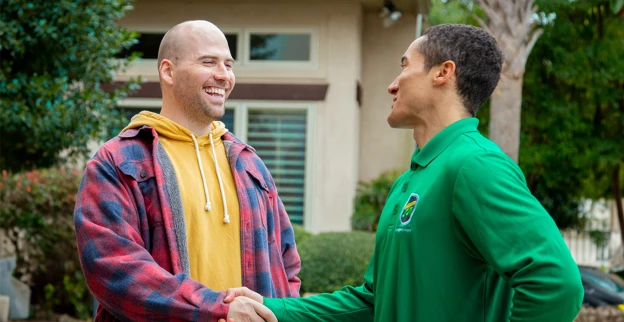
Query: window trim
[(241, 109), (314, 47), (150, 66), (140, 102)]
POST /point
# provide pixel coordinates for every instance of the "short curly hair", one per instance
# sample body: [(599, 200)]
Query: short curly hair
[(477, 57)]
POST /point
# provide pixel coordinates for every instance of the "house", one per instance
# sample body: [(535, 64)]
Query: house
[(598, 243), (311, 90)]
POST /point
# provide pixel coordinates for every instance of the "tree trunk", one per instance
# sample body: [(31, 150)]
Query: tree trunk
[(505, 115), (510, 23), (617, 194)]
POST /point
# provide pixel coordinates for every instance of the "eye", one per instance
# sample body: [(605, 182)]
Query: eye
[(208, 62)]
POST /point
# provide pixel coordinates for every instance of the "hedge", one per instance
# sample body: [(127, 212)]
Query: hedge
[(332, 260)]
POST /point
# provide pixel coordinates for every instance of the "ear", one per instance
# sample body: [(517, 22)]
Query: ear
[(166, 71), (444, 73)]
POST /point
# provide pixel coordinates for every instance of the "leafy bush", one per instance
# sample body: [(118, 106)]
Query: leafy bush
[(55, 54), (332, 260), (370, 199), (300, 234), (36, 210)]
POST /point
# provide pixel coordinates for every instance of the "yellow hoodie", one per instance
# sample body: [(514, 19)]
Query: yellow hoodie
[(206, 184)]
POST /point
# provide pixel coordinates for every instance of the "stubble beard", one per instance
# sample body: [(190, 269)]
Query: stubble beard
[(195, 108)]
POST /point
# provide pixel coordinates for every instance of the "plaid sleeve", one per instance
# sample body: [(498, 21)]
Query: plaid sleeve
[(119, 270), (292, 262)]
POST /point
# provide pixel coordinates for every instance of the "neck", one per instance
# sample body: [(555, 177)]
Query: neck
[(175, 112), (435, 120)]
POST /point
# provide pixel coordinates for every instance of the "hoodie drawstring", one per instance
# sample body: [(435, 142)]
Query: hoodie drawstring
[(226, 216), (201, 170), (208, 207)]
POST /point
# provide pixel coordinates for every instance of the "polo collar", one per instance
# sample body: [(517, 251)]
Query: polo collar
[(442, 140)]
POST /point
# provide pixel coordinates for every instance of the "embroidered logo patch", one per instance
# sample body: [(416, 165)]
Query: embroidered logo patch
[(409, 208)]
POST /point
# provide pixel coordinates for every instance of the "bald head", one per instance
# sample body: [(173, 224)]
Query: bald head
[(177, 42)]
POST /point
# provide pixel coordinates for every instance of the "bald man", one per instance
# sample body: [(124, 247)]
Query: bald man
[(175, 209)]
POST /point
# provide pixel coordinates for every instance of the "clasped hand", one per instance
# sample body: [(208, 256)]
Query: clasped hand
[(247, 306)]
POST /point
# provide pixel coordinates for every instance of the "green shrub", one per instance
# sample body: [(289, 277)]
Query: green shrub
[(36, 210), (370, 199), (55, 54), (300, 234), (332, 260)]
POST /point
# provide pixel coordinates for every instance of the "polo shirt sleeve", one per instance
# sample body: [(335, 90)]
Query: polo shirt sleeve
[(508, 229), (347, 304)]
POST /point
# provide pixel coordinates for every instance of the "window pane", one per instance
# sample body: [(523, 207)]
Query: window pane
[(285, 47), (279, 138), (228, 119), (148, 45), (232, 40)]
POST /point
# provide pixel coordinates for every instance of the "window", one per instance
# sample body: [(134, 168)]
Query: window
[(281, 47), (279, 138), (148, 44), (281, 134)]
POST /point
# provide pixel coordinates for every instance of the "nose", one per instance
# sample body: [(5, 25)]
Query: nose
[(393, 88), (222, 73)]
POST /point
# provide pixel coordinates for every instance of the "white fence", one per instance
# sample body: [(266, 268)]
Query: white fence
[(592, 247), (598, 243)]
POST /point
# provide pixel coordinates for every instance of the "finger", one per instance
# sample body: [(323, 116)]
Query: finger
[(232, 293), (221, 320), (264, 312)]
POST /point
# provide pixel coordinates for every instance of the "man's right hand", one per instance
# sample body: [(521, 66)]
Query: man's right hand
[(232, 293), (246, 305)]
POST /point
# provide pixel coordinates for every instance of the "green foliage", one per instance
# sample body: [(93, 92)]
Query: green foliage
[(572, 102), (599, 237), (455, 11), (36, 210), (300, 234), (54, 56), (370, 199), (332, 260)]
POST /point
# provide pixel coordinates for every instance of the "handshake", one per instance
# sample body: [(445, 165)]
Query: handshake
[(246, 306)]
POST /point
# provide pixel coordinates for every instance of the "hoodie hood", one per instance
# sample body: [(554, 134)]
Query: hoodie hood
[(169, 129), (172, 130)]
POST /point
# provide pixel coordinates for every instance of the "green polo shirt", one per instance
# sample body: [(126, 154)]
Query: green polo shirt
[(460, 238)]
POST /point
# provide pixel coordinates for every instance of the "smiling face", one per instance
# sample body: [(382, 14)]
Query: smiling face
[(204, 78), (412, 89), (201, 72)]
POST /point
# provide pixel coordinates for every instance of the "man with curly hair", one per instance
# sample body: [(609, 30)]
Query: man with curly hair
[(460, 238)]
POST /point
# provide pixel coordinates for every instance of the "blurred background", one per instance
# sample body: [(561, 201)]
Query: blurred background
[(311, 97)]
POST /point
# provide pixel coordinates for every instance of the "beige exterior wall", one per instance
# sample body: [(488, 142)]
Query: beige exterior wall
[(382, 148), (335, 148)]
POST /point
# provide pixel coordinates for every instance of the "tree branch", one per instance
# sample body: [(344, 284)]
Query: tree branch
[(534, 37)]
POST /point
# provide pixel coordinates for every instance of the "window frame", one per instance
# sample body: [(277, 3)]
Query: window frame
[(150, 66), (314, 47)]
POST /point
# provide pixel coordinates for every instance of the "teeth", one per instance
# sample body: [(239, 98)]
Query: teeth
[(214, 90)]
